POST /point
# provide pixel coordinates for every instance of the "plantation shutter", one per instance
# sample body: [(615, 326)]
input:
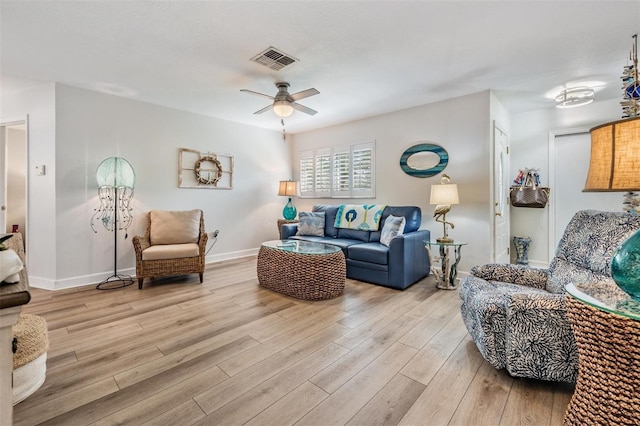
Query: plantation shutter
[(341, 172), (362, 183), (307, 159), (323, 173)]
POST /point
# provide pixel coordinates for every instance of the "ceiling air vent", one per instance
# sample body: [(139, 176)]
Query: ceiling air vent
[(274, 59)]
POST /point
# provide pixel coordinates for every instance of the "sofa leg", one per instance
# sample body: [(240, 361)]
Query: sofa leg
[(201, 277), (140, 283)]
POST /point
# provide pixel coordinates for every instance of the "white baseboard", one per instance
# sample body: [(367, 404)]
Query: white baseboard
[(83, 280)]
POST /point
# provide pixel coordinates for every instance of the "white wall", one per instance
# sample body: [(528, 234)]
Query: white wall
[(461, 126), (530, 148), (72, 130), (39, 104)]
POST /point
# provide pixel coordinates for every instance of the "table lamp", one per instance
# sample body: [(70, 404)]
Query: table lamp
[(443, 196), (614, 165), (288, 188)]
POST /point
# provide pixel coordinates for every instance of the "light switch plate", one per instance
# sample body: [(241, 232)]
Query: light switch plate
[(40, 170)]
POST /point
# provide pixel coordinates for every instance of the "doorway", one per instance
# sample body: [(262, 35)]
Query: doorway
[(13, 175)]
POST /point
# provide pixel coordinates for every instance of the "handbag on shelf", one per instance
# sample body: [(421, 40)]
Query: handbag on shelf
[(529, 193)]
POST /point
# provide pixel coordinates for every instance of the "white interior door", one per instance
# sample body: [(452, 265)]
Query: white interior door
[(571, 153), (500, 192)]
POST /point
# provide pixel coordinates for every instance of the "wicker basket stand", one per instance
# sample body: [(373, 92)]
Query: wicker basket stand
[(608, 387)]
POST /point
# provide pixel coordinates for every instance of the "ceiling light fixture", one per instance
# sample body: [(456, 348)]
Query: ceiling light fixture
[(575, 97)]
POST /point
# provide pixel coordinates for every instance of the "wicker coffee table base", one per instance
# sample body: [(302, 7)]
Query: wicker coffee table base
[(608, 387), (303, 276)]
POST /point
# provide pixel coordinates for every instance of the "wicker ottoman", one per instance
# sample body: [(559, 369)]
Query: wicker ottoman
[(301, 269), (30, 356)]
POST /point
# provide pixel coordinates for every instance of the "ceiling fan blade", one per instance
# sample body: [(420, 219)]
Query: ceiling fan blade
[(257, 94), (304, 109), (303, 94), (265, 109)]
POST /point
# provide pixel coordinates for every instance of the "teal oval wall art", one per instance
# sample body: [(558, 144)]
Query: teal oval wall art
[(425, 166)]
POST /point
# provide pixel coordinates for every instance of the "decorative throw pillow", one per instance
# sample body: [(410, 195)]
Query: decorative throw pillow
[(392, 226), (311, 224)]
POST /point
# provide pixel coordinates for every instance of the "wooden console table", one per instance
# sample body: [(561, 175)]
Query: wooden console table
[(12, 297)]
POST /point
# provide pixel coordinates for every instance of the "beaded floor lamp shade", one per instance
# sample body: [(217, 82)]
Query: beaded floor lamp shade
[(116, 179)]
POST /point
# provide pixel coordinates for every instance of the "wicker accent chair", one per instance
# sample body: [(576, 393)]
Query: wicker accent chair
[(174, 244), (516, 314)]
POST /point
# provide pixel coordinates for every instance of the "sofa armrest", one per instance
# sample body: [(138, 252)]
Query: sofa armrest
[(515, 274), (202, 245), (288, 230), (539, 341), (139, 245), (408, 260)]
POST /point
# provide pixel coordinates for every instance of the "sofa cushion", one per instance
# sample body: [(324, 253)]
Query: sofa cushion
[(311, 224), (369, 252), (354, 234), (170, 251), (174, 227), (330, 212), (392, 226)]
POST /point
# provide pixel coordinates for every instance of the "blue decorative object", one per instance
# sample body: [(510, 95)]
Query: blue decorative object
[(424, 148), (289, 212), (625, 266), (522, 249)]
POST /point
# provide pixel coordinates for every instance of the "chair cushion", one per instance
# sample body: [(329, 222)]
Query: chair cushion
[(170, 251), (174, 227)]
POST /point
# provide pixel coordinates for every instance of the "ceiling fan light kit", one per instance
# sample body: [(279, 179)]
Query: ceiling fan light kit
[(282, 108)]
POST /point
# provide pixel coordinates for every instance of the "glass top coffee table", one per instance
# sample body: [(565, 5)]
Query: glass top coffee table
[(302, 269), (606, 326)]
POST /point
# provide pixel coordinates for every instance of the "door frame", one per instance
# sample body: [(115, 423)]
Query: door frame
[(551, 211), (4, 123), (494, 199)]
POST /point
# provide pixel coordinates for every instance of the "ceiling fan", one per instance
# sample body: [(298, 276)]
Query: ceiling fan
[(284, 103)]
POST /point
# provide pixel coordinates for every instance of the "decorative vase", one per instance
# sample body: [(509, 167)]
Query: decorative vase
[(625, 266), (522, 249), (289, 212)]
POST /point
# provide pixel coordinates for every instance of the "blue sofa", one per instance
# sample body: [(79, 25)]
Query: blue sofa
[(398, 266)]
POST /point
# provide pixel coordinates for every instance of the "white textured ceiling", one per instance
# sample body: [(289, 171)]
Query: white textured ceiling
[(365, 57)]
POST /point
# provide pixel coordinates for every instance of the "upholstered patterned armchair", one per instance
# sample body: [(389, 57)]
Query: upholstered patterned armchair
[(516, 314), (174, 244)]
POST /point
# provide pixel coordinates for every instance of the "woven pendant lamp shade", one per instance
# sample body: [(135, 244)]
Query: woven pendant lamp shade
[(615, 157)]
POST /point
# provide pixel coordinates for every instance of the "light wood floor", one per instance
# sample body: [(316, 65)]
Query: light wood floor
[(228, 352)]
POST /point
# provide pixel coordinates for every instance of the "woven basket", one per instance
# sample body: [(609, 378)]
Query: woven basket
[(31, 334), (608, 387)]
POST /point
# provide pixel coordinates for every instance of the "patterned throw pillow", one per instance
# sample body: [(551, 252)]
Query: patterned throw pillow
[(392, 226), (311, 224)]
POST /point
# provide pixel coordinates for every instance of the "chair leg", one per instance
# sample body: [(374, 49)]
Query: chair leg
[(201, 277), (140, 283)]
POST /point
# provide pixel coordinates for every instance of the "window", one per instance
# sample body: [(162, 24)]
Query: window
[(338, 172)]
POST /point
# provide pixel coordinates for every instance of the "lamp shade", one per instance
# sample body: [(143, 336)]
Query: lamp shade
[(615, 157), (115, 172), (444, 194), (288, 188)]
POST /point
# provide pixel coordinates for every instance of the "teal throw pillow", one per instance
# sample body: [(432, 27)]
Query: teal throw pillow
[(311, 224), (392, 226)]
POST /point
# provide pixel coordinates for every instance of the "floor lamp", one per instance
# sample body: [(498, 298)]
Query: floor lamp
[(116, 180)]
